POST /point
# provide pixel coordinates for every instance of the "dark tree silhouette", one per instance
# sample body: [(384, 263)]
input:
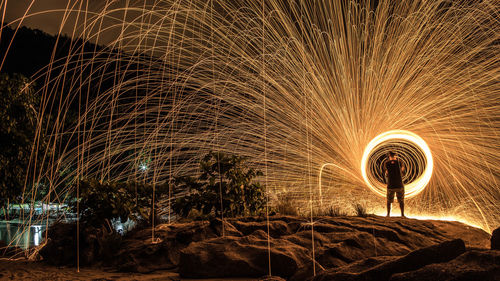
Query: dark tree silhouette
[(17, 128)]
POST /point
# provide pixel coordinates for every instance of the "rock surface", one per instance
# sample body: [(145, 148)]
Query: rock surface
[(139, 253), (95, 244), (472, 265), (241, 257), (271, 278), (442, 252), (344, 248), (198, 250), (9, 251), (495, 239), (60, 247)]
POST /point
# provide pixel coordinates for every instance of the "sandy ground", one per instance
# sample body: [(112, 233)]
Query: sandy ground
[(28, 270)]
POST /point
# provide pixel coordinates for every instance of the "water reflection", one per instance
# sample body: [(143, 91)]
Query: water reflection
[(18, 234)]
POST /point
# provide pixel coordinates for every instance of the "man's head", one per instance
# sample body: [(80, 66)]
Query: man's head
[(391, 155)]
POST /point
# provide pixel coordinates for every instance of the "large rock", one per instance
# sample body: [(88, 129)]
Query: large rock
[(140, 253), (355, 267), (95, 245), (434, 254), (277, 228), (472, 265), (198, 249), (62, 243), (10, 251), (495, 239), (241, 257)]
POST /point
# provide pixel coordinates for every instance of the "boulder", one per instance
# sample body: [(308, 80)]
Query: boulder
[(145, 256), (241, 257), (10, 251), (139, 253), (306, 272), (355, 267), (229, 229), (495, 239), (434, 254), (96, 245), (472, 265), (60, 247), (277, 228), (197, 249)]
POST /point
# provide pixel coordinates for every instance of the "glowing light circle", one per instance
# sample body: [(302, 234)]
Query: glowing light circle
[(416, 186)]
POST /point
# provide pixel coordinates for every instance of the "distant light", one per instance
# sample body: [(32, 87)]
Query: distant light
[(143, 167)]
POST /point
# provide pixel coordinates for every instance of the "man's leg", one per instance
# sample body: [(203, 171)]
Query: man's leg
[(401, 200), (390, 199)]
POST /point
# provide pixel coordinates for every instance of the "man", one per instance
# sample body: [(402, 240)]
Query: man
[(393, 169)]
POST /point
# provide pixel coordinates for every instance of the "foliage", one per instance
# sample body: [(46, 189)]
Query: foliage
[(360, 210), (221, 174), (286, 208), (18, 121), (285, 205), (100, 202), (332, 211)]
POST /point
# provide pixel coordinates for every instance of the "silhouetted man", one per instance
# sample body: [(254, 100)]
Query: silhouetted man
[(393, 170)]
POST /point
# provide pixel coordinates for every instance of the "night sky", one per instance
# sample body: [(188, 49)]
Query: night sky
[(48, 15)]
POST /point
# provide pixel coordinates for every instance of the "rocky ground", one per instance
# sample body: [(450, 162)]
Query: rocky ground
[(344, 248)]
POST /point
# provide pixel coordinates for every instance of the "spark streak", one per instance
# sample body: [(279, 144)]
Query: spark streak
[(418, 184), (337, 75)]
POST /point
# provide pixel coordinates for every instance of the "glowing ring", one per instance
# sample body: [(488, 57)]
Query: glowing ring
[(418, 184)]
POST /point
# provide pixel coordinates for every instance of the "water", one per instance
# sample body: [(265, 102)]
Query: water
[(16, 233)]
